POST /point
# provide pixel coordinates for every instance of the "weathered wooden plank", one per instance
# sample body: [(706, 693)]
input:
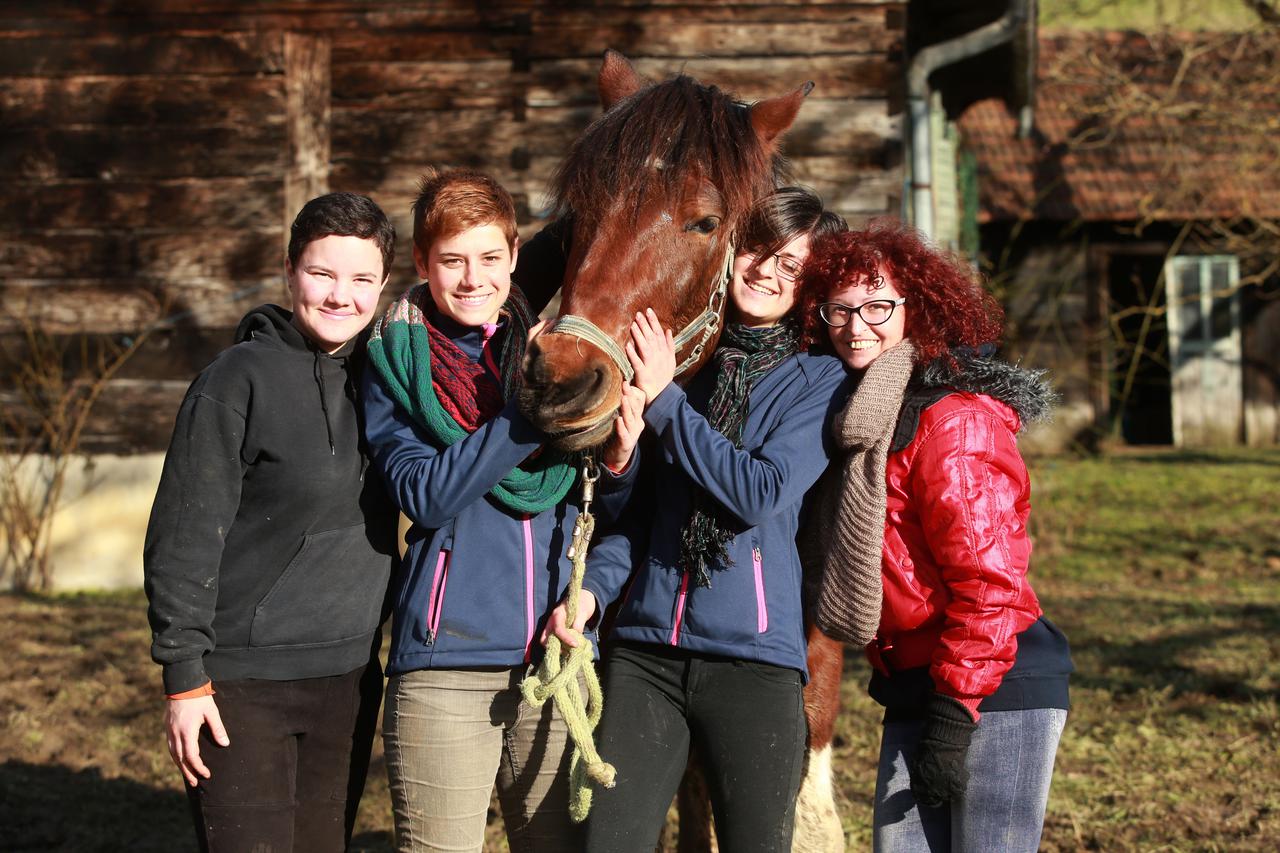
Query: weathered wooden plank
[(650, 36), (165, 354), (130, 416), (90, 9), (473, 137), (854, 193), (133, 152), (393, 184), (355, 45), (572, 81), (856, 181), (74, 306), (824, 126), (155, 101), (252, 17), (219, 202), (158, 53), (425, 85), (307, 87), (207, 253), (133, 416), (549, 17)]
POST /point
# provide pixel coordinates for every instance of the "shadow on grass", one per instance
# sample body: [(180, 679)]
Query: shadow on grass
[(54, 808), (1191, 628), (1123, 666), (1198, 457)]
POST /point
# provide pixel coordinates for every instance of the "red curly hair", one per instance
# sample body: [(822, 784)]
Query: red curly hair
[(946, 304)]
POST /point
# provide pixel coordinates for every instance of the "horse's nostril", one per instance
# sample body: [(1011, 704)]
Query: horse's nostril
[(535, 365)]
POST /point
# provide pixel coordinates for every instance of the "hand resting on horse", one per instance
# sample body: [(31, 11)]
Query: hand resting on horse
[(652, 353), (627, 427)]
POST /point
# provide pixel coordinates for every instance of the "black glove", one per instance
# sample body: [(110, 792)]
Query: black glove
[(937, 772)]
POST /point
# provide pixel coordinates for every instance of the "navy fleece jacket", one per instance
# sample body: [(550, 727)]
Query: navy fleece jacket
[(752, 609), (478, 580)]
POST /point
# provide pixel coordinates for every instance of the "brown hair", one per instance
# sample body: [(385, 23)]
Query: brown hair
[(450, 202)]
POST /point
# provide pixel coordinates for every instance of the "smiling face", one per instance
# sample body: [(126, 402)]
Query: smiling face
[(763, 289), (335, 287), (856, 343), (469, 273)]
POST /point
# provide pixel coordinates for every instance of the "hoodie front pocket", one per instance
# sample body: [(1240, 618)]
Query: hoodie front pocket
[(332, 590)]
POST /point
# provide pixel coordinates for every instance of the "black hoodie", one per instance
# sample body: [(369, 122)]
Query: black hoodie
[(270, 542)]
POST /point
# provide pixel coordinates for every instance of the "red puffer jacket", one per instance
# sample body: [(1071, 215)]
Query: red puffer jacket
[(956, 549)]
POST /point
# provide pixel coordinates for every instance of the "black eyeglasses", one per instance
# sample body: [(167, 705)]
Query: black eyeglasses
[(873, 313), (784, 266)]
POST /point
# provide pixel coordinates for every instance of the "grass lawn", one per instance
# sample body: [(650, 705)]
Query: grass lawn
[(1162, 568)]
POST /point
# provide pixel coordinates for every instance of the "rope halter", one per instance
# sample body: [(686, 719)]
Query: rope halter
[(703, 327)]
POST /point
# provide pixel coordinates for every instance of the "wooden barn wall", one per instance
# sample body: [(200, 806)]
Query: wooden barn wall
[(152, 153)]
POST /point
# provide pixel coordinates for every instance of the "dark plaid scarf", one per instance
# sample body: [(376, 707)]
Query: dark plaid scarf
[(744, 356)]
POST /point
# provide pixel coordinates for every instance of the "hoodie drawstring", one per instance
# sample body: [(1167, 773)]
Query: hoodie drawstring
[(324, 404)]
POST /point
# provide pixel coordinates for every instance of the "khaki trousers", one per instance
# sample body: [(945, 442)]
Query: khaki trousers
[(450, 735)]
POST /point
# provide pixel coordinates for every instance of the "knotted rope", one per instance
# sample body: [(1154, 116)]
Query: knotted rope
[(557, 675)]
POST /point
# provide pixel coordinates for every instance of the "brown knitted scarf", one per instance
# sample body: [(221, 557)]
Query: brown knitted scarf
[(843, 539)]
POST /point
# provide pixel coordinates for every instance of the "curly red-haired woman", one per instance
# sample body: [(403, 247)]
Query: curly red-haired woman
[(972, 676)]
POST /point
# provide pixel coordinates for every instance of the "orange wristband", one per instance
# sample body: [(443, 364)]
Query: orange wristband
[(205, 689)]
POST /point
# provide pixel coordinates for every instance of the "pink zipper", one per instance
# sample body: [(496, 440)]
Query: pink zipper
[(528, 587), (680, 599), (762, 609), (436, 601)]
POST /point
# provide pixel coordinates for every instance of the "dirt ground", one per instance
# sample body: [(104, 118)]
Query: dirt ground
[(83, 765), (1172, 606)]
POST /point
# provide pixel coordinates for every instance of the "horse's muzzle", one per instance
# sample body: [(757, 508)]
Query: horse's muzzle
[(571, 391)]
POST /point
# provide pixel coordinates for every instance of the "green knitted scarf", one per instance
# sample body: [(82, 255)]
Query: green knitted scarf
[(400, 351)]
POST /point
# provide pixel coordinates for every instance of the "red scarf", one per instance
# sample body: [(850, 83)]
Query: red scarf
[(466, 390)]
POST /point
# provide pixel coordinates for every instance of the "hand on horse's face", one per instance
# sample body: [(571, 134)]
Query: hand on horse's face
[(627, 427), (652, 353)]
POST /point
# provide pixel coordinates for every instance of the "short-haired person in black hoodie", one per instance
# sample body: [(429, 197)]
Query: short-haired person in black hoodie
[(268, 555)]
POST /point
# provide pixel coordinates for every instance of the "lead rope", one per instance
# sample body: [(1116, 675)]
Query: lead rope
[(557, 676)]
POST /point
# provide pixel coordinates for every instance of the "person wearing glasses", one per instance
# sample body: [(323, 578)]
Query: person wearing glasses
[(708, 648), (972, 676)]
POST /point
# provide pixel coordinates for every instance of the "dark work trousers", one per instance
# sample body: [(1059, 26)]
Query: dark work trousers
[(292, 777), (746, 721)]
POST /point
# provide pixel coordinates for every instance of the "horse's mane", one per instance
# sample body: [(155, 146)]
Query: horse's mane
[(685, 126)]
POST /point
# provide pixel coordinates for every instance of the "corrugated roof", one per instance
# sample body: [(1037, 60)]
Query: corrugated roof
[(1137, 127)]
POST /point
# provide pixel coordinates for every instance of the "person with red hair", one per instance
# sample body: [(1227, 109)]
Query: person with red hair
[(927, 515)]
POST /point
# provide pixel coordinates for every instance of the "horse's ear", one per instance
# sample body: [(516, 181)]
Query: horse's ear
[(772, 118), (618, 78)]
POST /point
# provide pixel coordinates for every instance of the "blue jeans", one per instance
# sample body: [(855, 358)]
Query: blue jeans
[(1010, 763)]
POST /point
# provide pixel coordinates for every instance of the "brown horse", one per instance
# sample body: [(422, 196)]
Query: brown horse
[(656, 188)]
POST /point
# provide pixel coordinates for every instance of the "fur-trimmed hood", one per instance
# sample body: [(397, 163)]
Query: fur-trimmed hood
[(1026, 391), (978, 371)]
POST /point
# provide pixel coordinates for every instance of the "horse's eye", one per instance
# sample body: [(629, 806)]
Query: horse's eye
[(703, 226)]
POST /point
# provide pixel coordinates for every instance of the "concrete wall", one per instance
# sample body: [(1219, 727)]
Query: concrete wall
[(99, 529)]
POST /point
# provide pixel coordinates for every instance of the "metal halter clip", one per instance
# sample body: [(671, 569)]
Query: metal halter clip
[(590, 473)]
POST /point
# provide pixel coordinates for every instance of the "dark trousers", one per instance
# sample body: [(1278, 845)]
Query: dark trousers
[(295, 770), (746, 721)]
